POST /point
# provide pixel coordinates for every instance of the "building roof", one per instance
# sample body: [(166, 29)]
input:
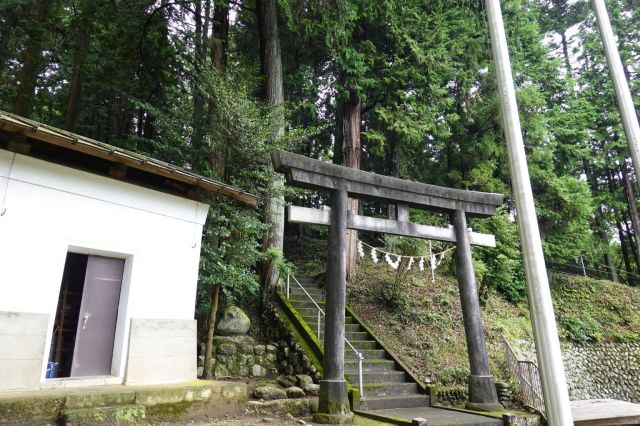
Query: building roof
[(52, 144)]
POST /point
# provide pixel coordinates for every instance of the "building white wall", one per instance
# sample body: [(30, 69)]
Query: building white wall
[(47, 210)]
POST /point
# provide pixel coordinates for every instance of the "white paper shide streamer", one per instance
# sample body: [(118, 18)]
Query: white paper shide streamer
[(394, 260)]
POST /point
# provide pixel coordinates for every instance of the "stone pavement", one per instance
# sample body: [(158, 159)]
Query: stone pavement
[(439, 416)]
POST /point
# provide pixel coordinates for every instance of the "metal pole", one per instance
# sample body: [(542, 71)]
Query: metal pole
[(360, 387), (623, 95), (288, 277), (584, 271), (318, 324), (554, 384)]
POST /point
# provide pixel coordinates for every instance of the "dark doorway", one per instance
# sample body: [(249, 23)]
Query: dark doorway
[(84, 328)]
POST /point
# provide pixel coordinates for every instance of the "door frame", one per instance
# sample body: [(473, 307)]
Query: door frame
[(120, 343)]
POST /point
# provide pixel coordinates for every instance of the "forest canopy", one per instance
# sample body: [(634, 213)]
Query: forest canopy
[(402, 88)]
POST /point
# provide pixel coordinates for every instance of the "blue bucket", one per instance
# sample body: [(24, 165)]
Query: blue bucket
[(52, 368)]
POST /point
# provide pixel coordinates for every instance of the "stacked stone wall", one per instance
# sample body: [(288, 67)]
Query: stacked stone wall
[(610, 370)]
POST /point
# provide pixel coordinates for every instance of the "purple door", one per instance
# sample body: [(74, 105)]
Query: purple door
[(93, 349)]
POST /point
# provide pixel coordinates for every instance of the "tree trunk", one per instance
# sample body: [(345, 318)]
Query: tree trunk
[(338, 134), (32, 61), (273, 94), (198, 98), (213, 299), (220, 34), (625, 251), (599, 222), (623, 243), (352, 119), (82, 42), (633, 209)]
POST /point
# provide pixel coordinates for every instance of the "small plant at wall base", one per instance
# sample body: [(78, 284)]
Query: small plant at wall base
[(273, 258)]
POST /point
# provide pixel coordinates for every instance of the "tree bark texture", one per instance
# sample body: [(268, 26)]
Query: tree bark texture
[(213, 299), (633, 208), (220, 34), (273, 94), (82, 43), (599, 222), (32, 60), (352, 119)]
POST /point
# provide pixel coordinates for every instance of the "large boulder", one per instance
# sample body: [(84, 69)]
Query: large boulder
[(234, 323)]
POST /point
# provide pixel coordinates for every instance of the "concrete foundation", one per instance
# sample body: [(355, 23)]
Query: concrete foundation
[(139, 405), (22, 341)]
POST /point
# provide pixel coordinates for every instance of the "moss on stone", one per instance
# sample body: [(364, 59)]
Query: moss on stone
[(334, 419), (120, 415), (28, 408), (168, 411)]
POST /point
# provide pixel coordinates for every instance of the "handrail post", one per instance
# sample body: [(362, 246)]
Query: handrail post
[(318, 324), (360, 375), (288, 277)]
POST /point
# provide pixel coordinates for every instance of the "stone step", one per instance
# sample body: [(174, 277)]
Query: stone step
[(364, 344), (377, 376), (351, 365), (388, 389), (120, 414), (309, 312), (394, 401), (298, 293), (311, 319), (350, 328), (306, 303), (356, 335), (367, 354)]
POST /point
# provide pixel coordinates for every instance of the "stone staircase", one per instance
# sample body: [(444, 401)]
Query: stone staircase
[(386, 384)]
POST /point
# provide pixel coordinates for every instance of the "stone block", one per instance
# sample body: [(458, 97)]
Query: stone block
[(118, 415), (312, 389), (294, 392), (257, 370), (259, 349), (269, 393), (303, 380), (87, 400), (271, 349)]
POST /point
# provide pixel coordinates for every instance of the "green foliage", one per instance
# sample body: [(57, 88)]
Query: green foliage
[(503, 267), (230, 250), (580, 330)]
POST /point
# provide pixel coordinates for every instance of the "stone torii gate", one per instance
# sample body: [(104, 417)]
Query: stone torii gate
[(343, 182)]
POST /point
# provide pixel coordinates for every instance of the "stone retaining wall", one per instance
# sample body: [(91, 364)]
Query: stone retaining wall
[(609, 370), (240, 356)]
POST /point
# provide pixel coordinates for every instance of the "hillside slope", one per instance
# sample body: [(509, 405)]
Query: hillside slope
[(422, 320)]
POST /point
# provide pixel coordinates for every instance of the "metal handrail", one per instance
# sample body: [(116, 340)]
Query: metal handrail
[(320, 311), (528, 376)]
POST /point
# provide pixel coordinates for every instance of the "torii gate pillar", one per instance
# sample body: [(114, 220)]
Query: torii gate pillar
[(482, 389), (334, 405)]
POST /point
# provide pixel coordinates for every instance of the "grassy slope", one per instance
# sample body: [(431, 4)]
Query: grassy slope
[(423, 325)]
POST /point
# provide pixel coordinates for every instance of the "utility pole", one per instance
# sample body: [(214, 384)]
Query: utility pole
[(623, 95), (554, 386)]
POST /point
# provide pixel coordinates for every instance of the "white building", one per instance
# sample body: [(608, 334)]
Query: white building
[(99, 255)]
